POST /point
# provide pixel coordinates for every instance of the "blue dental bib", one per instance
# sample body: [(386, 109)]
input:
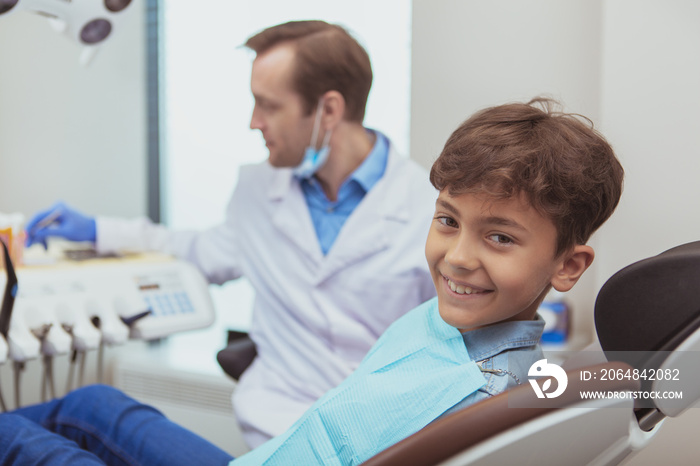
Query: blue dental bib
[(417, 370)]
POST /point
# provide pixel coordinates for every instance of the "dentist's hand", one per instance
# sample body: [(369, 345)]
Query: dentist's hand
[(61, 221)]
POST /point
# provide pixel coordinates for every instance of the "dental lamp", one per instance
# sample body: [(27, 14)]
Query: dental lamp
[(89, 22)]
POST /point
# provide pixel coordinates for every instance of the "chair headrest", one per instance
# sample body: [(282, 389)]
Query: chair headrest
[(651, 305)]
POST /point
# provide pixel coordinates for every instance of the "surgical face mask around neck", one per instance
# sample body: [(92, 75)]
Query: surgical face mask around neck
[(314, 158)]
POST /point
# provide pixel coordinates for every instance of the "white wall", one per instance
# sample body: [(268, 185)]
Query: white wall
[(68, 131), (649, 108), (470, 54)]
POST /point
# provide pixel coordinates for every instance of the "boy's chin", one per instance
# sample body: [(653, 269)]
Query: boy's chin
[(451, 321)]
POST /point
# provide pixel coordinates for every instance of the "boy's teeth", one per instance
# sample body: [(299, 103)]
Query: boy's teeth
[(459, 289)]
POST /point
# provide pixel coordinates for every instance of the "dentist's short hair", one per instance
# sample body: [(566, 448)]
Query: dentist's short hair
[(565, 168), (328, 58)]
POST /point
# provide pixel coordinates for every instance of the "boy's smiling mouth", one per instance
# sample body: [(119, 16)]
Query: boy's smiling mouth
[(464, 289)]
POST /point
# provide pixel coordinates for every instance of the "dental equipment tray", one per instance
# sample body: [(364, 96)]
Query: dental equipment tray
[(170, 295)]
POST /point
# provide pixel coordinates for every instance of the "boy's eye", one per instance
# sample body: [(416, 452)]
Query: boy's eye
[(501, 239), (447, 221)]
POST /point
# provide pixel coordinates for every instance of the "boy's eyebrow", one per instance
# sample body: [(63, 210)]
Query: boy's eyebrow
[(505, 222), (493, 220), (447, 206)]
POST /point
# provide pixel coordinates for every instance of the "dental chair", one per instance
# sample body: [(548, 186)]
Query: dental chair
[(647, 319)]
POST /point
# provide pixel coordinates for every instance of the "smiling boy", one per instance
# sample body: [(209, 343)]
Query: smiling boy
[(522, 188)]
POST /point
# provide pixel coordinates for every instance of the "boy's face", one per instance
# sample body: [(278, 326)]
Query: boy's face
[(491, 260)]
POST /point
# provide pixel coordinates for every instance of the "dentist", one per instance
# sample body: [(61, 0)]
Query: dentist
[(329, 230)]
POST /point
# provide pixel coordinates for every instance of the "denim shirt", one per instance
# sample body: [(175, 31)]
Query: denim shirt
[(511, 347)]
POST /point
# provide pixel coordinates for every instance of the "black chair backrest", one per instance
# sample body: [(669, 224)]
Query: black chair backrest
[(238, 354), (650, 306)]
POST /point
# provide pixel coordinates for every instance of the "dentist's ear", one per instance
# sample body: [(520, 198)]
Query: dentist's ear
[(333, 110), (571, 267)]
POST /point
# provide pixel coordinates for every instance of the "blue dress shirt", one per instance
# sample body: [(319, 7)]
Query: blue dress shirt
[(328, 216)]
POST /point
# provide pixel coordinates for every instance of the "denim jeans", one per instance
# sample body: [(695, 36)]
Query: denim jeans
[(100, 425)]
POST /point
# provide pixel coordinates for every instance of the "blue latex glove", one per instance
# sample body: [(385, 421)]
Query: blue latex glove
[(61, 221)]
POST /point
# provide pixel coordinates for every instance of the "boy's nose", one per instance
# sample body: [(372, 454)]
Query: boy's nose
[(463, 254)]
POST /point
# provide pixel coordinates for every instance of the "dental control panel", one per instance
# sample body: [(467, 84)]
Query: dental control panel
[(80, 305)]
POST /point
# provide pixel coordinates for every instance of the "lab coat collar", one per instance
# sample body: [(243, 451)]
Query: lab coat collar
[(290, 214), (367, 231)]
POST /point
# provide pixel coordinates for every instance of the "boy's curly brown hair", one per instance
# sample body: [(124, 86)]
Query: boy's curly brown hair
[(567, 170)]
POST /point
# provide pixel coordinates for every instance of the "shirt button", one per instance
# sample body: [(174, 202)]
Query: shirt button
[(330, 210)]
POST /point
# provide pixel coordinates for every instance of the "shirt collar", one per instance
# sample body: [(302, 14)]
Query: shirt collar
[(372, 168), (488, 341)]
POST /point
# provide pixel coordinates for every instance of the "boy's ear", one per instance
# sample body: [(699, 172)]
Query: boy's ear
[(572, 266)]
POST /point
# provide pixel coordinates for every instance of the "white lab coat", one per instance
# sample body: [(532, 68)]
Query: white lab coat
[(315, 316)]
